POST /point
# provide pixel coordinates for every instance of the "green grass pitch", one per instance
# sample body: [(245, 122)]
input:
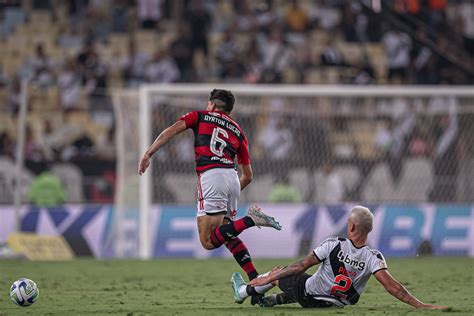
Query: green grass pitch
[(202, 287)]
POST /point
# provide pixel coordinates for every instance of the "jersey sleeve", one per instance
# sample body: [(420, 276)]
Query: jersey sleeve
[(190, 119), (243, 155), (377, 262), (324, 249)]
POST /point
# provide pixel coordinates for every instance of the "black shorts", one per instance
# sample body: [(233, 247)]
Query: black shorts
[(295, 288)]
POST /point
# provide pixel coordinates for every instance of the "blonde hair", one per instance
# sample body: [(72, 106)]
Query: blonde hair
[(362, 218)]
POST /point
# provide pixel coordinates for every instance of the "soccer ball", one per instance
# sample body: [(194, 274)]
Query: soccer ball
[(24, 292)]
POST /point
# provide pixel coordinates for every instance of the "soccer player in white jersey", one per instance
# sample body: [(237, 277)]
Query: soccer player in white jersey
[(346, 266)]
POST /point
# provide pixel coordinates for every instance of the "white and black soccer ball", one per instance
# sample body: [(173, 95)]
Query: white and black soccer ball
[(24, 292)]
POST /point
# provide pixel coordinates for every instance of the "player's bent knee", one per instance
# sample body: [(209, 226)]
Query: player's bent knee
[(207, 244)]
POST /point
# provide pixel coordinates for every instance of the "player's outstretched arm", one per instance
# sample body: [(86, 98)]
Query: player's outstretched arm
[(396, 289), (293, 269), (246, 176), (159, 142)]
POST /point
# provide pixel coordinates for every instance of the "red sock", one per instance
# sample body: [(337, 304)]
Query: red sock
[(242, 256), (228, 232)]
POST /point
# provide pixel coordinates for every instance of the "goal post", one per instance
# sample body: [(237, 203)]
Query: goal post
[(389, 144), (145, 179), (308, 90)]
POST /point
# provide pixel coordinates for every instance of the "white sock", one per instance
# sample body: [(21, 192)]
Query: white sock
[(263, 288), (243, 291), (259, 289)]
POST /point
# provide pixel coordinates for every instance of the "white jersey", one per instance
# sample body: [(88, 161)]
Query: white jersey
[(344, 271)]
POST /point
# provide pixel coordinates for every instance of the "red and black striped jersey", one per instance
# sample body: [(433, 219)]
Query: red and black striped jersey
[(218, 139)]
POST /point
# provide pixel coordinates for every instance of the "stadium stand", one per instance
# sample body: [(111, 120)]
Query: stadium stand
[(75, 52)]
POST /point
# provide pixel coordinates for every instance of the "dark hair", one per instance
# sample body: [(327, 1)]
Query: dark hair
[(225, 97)]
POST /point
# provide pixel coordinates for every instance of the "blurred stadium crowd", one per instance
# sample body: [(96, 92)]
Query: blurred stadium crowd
[(128, 42), (74, 52)]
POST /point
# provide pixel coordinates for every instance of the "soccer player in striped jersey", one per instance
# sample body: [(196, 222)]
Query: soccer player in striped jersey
[(218, 141), (346, 266)]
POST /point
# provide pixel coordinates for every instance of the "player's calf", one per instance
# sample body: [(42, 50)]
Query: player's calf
[(242, 256)]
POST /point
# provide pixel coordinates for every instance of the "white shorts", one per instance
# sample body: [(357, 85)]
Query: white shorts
[(218, 192)]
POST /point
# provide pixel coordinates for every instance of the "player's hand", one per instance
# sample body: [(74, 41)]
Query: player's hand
[(144, 163), (429, 306), (260, 281)]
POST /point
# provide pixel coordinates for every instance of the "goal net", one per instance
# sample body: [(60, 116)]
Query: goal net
[(315, 144)]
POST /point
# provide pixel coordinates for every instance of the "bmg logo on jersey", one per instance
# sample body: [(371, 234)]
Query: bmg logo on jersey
[(360, 265)]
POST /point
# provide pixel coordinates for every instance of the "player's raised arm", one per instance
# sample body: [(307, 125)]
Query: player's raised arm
[(293, 269), (159, 142), (396, 289)]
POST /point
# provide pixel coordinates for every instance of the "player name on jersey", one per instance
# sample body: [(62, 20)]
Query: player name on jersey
[(222, 122)]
